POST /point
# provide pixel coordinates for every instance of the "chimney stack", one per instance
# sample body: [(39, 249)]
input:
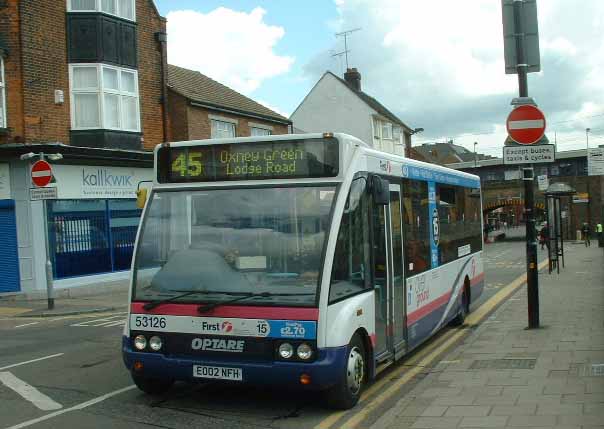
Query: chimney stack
[(353, 78)]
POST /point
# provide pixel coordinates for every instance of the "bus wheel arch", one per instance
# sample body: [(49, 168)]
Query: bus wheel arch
[(467, 294), (355, 374), (465, 299)]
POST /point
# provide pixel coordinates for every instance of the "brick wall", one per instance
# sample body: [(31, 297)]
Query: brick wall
[(35, 31), (44, 69), (150, 72), (9, 32), (177, 107), (199, 126)]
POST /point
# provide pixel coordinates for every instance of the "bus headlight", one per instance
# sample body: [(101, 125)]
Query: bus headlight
[(155, 343), (286, 350), (304, 351), (140, 342)]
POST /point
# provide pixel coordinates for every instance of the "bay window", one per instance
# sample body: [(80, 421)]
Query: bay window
[(121, 8), (104, 97), (2, 96)]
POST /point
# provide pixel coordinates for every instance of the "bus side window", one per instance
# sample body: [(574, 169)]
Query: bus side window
[(350, 274), (416, 226)]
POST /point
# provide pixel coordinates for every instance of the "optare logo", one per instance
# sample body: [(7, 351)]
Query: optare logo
[(218, 345), (227, 327)]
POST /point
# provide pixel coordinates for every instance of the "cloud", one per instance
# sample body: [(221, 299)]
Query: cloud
[(235, 48), (273, 108), (439, 64)]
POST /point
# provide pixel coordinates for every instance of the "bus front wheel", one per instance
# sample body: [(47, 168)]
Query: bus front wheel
[(347, 392), (152, 386)]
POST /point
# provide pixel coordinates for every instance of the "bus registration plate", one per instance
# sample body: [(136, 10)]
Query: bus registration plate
[(218, 372)]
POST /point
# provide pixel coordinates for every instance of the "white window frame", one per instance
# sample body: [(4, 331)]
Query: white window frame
[(387, 126), (261, 131), (3, 119), (100, 91), (377, 128), (232, 124), (98, 8)]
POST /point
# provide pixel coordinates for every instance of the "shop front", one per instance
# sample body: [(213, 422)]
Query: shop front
[(91, 226)]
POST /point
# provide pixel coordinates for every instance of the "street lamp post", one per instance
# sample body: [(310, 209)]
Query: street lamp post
[(587, 130), (49, 276), (408, 149), (475, 160)]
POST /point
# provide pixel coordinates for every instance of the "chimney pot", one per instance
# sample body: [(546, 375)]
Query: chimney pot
[(353, 78)]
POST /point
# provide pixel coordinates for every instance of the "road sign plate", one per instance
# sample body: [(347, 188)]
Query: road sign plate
[(526, 124), (41, 173), (36, 194), (529, 154)]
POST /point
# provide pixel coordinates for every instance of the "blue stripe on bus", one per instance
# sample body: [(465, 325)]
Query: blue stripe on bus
[(427, 174), (434, 224)]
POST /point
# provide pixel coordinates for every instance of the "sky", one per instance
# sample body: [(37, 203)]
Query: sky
[(437, 64)]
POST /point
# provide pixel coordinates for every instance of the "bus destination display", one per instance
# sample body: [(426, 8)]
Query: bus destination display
[(249, 161)]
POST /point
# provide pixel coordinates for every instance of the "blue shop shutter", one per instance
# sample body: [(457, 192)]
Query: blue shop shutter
[(9, 258)]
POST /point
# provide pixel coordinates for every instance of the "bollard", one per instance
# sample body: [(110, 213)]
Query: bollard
[(49, 287)]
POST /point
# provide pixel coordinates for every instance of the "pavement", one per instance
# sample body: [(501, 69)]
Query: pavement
[(66, 306), (505, 376)]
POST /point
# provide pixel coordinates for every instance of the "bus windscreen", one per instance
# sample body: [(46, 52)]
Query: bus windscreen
[(281, 159)]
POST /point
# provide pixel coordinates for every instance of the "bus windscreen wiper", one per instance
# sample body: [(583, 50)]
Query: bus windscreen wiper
[(151, 305), (244, 296)]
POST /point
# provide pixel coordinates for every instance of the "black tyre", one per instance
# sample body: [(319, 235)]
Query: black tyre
[(347, 392), (464, 309), (152, 386)]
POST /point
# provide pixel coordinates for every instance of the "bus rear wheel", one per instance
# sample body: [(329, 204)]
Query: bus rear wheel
[(347, 392), (464, 308), (152, 386)]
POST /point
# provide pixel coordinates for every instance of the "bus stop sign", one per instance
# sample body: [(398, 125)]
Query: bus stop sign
[(526, 124)]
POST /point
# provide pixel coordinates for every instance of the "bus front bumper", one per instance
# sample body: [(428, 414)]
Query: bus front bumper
[(323, 372)]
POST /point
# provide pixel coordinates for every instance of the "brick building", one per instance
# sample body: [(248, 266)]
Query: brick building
[(84, 81), (202, 108)]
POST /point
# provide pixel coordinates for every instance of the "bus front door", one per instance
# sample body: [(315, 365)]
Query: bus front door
[(389, 278), (396, 274)]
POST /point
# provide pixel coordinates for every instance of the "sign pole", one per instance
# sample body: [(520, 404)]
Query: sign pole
[(532, 274)]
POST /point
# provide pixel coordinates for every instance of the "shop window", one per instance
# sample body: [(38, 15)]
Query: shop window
[(2, 95), (104, 97), (416, 226), (91, 236), (222, 129)]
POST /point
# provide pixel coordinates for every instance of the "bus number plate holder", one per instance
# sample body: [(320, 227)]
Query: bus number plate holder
[(218, 372)]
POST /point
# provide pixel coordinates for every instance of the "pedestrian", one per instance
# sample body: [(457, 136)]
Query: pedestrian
[(585, 234), (544, 236), (600, 237)]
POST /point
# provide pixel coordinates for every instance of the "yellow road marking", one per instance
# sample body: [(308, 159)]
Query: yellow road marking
[(13, 311), (422, 360)]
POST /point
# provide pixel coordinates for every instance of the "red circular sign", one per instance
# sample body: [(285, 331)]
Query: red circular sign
[(526, 124), (41, 173)]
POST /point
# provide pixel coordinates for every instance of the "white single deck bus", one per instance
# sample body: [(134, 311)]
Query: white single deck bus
[(302, 260)]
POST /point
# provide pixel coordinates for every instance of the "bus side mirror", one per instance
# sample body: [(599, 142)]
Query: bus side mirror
[(380, 189), (141, 198)]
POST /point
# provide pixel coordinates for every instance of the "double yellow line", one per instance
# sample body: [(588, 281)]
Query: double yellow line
[(423, 359)]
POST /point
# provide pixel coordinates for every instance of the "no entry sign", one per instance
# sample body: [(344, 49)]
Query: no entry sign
[(526, 124), (41, 173)]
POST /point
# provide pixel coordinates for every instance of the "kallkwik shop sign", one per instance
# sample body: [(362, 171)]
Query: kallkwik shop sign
[(88, 182)]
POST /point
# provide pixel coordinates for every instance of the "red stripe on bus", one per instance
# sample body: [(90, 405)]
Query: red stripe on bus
[(476, 280), (428, 308), (437, 303), (237, 312)]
